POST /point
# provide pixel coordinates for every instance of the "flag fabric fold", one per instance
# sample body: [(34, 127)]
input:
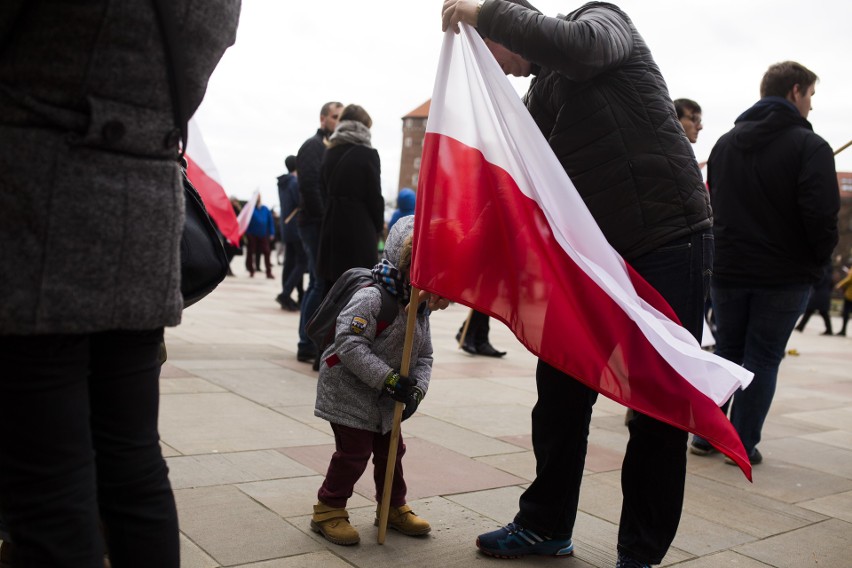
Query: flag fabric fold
[(500, 227), (205, 177)]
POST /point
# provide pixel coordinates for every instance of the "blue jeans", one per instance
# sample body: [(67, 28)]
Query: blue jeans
[(752, 329), (295, 265), (654, 470), (314, 294)]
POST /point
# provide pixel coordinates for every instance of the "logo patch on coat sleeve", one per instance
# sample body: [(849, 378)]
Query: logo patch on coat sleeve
[(358, 325)]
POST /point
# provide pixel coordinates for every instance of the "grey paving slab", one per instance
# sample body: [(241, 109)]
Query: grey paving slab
[(191, 556), (429, 470), (295, 496), (838, 438), (830, 418), (460, 440), (493, 420), (304, 413), (520, 464), (499, 505), (743, 509), (312, 560), (823, 544), (727, 559), (838, 505), (230, 423), (168, 451), (188, 385), (463, 392), (779, 480), (228, 468), (223, 364), (812, 455), (272, 386), (233, 529)]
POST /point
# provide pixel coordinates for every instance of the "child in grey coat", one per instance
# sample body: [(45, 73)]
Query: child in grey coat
[(359, 384)]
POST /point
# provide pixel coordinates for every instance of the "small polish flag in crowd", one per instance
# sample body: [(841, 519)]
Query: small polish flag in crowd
[(205, 177), (500, 227)]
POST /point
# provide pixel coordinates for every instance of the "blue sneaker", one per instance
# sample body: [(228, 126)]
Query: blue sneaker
[(625, 561), (514, 541)]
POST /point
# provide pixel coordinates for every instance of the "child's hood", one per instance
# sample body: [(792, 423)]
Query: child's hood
[(399, 232)]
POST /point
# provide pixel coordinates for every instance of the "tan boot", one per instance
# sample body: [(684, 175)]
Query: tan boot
[(334, 525), (404, 520)]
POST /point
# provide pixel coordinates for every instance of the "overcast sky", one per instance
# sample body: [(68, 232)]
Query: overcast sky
[(263, 100)]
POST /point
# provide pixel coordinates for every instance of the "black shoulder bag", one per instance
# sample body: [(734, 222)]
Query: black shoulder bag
[(203, 262)]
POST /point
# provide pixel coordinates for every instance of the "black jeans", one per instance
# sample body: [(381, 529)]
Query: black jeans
[(80, 446), (654, 469)]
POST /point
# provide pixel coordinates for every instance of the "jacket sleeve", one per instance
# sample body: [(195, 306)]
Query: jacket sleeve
[(309, 160), (599, 39), (819, 200)]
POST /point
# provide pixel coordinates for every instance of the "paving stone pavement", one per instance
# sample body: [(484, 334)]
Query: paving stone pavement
[(247, 455)]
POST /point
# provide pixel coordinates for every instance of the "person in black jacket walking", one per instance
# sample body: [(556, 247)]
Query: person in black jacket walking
[(308, 161), (775, 198), (295, 261), (600, 100)]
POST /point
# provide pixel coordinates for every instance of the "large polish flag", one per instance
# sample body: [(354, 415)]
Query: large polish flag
[(500, 227), (205, 177)]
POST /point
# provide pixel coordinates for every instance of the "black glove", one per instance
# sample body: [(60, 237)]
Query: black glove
[(412, 402), (398, 387)]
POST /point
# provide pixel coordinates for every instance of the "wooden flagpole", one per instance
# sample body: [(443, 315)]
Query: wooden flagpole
[(843, 147), (397, 415)]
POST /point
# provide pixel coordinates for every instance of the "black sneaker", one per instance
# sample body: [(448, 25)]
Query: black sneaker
[(306, 356), (514, 541), (701, 447), (625, 561), (755, 457)]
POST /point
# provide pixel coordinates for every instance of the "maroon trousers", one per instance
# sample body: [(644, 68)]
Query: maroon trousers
[(353, 447), (257, 245)]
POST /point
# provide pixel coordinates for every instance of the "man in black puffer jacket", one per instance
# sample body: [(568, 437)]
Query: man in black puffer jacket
[(600, 100), (774, 190)]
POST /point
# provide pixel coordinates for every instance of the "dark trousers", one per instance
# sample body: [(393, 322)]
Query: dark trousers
[(826, 319), (257, 245), (295, 266), (477, 330), (847, 309), (654, 469), (353, 447), (314, 294), (80, 446)]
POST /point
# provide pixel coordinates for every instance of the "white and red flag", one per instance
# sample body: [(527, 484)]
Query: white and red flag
[(500, 227), (205, 177)]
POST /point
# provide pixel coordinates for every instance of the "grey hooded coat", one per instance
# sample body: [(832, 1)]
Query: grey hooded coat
[(350, 392)]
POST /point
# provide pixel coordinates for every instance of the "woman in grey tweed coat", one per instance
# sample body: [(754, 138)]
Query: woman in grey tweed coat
[(351, 393), (91, 214)]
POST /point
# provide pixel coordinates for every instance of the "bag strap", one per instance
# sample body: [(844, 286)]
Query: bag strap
[(175, 66)]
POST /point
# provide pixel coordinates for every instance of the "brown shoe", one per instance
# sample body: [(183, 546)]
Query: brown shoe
[(404, 520), (334, 525)]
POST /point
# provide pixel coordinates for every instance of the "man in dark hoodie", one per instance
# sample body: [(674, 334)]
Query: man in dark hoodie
[(773, 189)]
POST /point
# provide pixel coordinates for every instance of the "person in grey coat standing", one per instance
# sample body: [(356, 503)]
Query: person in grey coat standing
[(91, 215)]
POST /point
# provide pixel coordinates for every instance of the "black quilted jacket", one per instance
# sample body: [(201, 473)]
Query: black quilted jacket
[(601, 102)]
